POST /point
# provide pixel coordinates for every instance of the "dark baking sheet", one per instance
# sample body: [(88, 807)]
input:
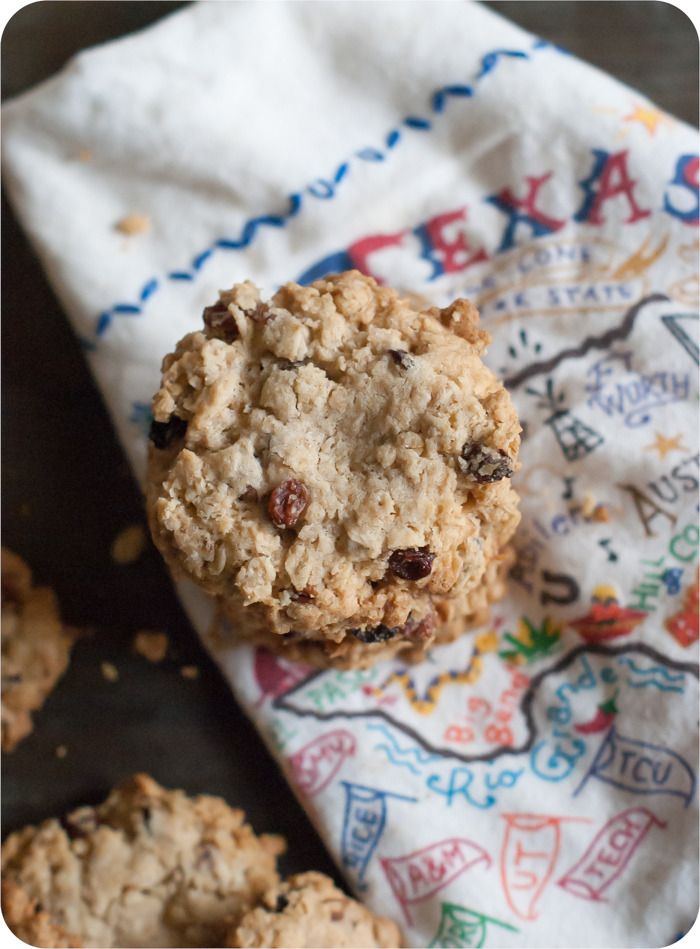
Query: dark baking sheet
[(67, 490)]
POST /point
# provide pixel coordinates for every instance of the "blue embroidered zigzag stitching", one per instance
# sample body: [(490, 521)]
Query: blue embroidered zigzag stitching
[(321, 188)]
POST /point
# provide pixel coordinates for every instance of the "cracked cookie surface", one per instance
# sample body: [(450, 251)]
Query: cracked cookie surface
[(334, 464), (148, 867), (309, 911), (35, 648)]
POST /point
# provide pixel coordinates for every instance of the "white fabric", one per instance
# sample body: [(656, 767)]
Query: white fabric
[(391, 119)]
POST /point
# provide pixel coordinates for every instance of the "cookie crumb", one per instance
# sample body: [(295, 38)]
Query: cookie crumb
[(588, 505), (151, 645), (61, 751), (189, 672), (128, 545), (84, 154), (109, 671), (601, 514), (133, 224)]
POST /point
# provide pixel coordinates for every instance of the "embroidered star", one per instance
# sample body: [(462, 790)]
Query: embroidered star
[(666, 445), (649, 117)]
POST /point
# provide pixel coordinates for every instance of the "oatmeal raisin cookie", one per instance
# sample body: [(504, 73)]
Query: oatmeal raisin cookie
[(148, 867), (35, 648), (334, 466)]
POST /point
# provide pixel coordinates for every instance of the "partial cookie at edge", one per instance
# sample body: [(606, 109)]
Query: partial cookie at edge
[(309, 911), (35, 648), (148, 867)]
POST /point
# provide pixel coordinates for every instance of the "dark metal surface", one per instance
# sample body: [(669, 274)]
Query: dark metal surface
[(66, 488)]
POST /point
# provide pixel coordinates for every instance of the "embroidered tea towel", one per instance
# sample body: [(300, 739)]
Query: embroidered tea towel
[(535, 783)]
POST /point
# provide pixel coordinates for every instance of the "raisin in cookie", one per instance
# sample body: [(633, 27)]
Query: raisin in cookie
[(35, 648), (308, 911), (334, 466), (449, 621), (148, 867)]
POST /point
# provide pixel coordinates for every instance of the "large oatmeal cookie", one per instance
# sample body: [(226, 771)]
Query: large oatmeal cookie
[(334, 464), (148, 867)]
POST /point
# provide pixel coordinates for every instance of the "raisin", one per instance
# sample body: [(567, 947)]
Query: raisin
[(288, 502), (281, 904), (375, 634), (164, 434), (250, 494), (302, 596), (80, 823), (484, 464), (337, 915), (411, 563), (205, 857), (401, 358), (419, 631), (261, 313), (218, 319)]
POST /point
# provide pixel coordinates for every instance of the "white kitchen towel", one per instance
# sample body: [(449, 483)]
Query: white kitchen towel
[(535, 783)]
